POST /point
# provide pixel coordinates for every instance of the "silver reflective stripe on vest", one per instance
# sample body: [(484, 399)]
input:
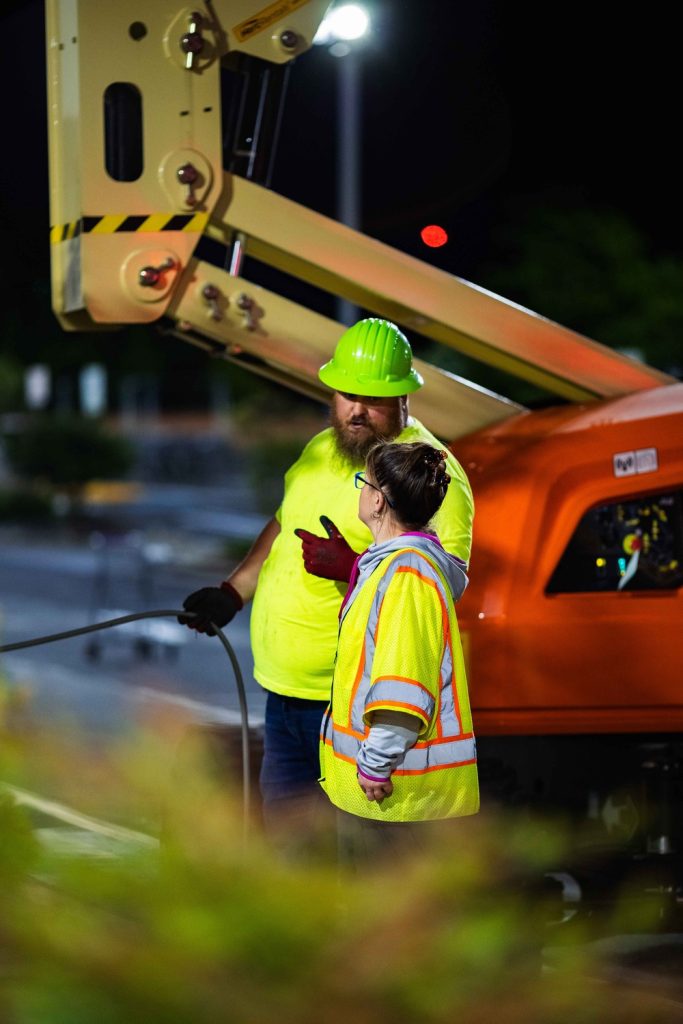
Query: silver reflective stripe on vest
[(438, 755), (417, 759), (450, 725), (345, 745), (395, 691)]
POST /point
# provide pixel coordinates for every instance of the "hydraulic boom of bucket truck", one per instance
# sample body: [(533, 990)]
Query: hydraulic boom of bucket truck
[(573, 616)]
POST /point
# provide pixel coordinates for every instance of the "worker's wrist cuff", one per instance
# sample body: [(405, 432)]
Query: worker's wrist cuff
[(226, 585), (372, 778)]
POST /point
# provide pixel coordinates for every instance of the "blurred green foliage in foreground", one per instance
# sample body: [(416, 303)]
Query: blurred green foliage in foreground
[(201, 930)]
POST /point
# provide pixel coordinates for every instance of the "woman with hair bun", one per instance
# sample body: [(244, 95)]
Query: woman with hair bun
[(397, 743)]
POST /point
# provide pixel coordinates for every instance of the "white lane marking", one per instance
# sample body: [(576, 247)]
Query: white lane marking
[(69, 816), (210, 712)]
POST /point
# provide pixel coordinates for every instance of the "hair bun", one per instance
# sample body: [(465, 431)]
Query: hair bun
[(436, 461), (434, 457)]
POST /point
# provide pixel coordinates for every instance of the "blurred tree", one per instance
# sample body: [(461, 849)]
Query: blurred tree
[(588, 268), (10, 384), (66, 451), (593, 270)]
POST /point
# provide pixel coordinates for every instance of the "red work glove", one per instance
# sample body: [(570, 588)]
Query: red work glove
[(330, 557)]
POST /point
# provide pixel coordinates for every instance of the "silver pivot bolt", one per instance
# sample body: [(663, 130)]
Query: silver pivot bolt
[(289, 39), (248, 306), (211, 294), (150, 276), (188, 175), (192, 43)]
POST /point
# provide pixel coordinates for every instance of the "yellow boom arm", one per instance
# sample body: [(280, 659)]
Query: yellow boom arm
[(125, 227)]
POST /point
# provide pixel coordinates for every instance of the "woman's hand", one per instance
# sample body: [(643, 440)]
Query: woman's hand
[(375, 789)]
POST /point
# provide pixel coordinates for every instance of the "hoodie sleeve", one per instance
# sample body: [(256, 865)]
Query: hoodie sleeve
[(391, 734)]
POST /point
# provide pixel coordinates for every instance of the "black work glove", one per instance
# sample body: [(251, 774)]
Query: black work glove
[(211, 604), (330, 557)]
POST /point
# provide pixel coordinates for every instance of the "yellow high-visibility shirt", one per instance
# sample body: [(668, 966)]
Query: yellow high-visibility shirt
[(294, 619)]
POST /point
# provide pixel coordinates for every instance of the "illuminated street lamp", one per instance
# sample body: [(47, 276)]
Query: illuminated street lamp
[(342, 26)]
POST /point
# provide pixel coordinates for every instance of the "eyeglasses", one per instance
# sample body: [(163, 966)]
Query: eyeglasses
[(359, 481)]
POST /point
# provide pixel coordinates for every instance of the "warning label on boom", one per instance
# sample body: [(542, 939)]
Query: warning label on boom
[(265, 18)]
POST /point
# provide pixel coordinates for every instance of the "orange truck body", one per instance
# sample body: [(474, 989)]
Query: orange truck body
[(588, 661)]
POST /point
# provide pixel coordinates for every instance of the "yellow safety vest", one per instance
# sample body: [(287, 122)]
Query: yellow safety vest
[(399, 649), (294, 615)]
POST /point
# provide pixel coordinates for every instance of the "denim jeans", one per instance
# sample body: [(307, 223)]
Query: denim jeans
[(291, 759)]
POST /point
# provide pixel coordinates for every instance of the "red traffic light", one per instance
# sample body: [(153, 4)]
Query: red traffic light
[(433, 236)]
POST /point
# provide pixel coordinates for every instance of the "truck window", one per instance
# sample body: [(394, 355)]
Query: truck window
[(635, 544)]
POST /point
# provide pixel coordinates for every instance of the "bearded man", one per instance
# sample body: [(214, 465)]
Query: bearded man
[(298, 579)]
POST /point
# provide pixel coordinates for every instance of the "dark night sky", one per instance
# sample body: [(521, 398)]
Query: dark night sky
[(466, 106)]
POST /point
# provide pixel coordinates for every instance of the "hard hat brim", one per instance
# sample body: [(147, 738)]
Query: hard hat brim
[(339, 380)]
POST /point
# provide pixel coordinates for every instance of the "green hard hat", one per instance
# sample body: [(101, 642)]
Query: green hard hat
[(372, 358)]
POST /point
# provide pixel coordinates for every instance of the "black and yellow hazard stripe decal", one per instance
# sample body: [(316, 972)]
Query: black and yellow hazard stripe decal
[(113, 223)]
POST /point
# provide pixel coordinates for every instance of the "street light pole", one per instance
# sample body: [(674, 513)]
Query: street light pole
[(349, 145), (342, 26)]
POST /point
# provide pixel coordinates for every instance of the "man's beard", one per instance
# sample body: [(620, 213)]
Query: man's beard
[(355, 447)]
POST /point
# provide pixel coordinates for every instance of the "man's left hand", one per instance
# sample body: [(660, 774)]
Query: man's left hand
[(330, 557)]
